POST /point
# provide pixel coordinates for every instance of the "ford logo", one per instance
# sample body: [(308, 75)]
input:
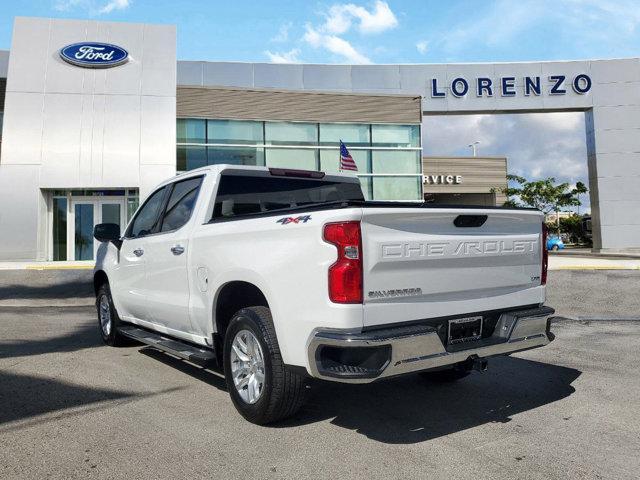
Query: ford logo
[(94, 55)]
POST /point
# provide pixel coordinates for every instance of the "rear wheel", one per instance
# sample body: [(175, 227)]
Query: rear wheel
[(261, 388), (447, 375), (108, 319), (555, 248)]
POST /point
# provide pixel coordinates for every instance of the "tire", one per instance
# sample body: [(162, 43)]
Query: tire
[(282, 391), (555, 248), (105, 308), (446, 376)]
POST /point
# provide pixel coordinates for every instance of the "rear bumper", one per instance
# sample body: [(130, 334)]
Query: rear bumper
[(351, 357)]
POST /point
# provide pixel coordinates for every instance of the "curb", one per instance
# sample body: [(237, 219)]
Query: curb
[(597, 319), (594, 267)]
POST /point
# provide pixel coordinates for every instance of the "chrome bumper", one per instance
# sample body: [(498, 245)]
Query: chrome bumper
[(401, 350)]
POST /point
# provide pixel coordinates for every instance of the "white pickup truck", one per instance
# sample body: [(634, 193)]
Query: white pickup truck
[(281, 275)]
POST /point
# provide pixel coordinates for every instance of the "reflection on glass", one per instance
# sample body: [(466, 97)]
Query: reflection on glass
[(365, 183), (111, 213), (352, 134), (191, 130), (395, 135), (59, 229), (299, 159), (396, 188), (284, 133), (234, 131), (235, 156), (191, 157), (396, 161), (133, 202), (84, 231)]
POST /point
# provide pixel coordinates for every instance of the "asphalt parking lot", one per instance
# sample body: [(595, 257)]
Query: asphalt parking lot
[(73, 408)]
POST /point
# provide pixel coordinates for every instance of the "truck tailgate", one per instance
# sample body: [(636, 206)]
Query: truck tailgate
[(422, 263)]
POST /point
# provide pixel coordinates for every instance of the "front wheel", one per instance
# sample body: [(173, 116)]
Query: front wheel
[(108, 319), (261, 388)]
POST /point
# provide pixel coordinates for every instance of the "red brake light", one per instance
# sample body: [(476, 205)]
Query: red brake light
[(545, 256), (345, 276)]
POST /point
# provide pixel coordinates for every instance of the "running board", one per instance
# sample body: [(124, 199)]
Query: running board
[(201, 356)]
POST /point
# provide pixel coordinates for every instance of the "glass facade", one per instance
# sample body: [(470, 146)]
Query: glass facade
[(387, 155), (59, 228)]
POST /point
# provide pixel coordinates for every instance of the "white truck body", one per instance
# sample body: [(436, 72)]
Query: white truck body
[(417, 266)]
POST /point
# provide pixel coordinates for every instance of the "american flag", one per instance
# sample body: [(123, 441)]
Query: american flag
[(346, 160)]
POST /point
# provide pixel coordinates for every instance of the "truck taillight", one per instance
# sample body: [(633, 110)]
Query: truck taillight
[(345, 275), (545, 256)]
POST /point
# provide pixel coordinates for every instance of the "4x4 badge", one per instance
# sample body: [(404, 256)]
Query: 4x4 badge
[(287, 220)]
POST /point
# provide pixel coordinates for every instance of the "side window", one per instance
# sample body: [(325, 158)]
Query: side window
[(146, 220), (180, 205)]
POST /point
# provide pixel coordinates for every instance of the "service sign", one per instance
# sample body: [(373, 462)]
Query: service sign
[(94, 55)]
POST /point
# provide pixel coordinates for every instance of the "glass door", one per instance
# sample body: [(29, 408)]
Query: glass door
[(84, 214)]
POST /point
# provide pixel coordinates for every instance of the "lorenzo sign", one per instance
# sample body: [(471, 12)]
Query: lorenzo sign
[(506, 86), (94, 55)]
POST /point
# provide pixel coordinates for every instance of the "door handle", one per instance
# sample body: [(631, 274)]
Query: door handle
[(177, 250), (138, 252)]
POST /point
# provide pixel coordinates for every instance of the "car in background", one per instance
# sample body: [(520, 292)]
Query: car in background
[(555, 244)]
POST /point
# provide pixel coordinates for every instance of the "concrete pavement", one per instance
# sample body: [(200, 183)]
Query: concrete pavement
[(71, 408)]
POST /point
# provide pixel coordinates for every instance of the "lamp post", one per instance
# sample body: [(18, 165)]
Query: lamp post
[(474, 148)]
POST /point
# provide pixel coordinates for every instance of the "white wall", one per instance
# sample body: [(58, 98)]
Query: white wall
[(72, 127)]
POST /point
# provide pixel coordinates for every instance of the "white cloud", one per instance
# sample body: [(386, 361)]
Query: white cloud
[(329, 33), (283, 33), (340, 17), (536, 145), (422, 46), (92, 7), (334, 44), (115, 5), (292, 56)]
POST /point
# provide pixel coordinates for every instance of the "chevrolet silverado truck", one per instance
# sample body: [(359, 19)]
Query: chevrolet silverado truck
[(279, 276)]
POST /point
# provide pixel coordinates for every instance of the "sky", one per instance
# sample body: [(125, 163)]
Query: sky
[(399, 31)]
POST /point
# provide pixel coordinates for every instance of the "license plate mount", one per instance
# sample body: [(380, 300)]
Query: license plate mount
[(462, 330)]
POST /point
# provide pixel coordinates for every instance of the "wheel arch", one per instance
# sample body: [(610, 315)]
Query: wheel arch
[(231, 297), (99, 278)]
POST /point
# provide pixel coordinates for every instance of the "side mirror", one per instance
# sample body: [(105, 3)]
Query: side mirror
[(108, 232)]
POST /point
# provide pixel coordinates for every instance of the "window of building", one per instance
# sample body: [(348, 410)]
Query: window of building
[(190, 130), (290, 133), (234, 132), (395, 135), (235, 155), (384, 153), (395, 161), (396, 188), (191, 157), (330, 160), (352, 134), (59, 228), (301, 159)]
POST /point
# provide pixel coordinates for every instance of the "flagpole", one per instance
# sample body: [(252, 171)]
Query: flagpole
[(340, 156)]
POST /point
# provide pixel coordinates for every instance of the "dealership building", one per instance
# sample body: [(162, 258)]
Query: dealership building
[(94, 114)]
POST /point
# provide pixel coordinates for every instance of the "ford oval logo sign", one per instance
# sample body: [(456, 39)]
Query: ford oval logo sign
[(94, 55)]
